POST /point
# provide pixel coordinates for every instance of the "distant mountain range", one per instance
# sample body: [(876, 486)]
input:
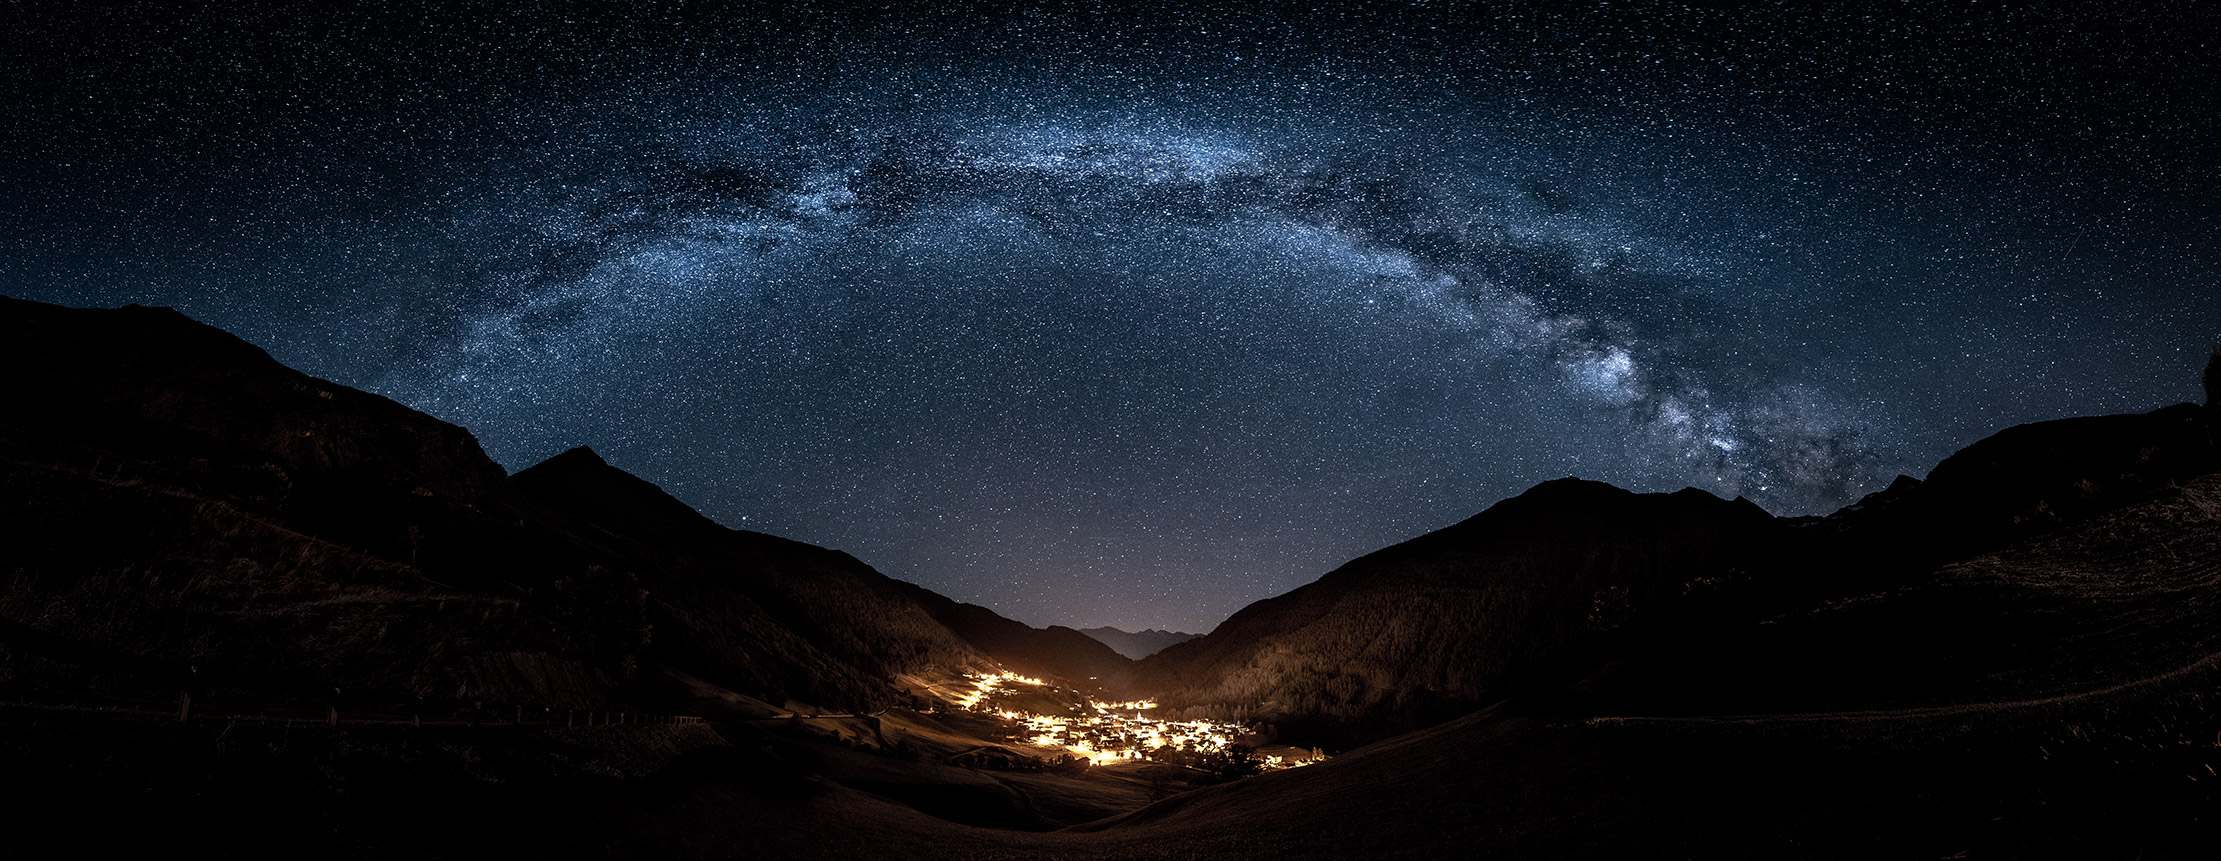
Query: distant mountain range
[(2014, 657), (1138, 644)]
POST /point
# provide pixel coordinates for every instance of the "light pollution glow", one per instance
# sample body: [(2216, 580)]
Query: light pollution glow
[(1115, 732)]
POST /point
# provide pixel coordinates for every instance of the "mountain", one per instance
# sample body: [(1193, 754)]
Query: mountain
[(2046, 691), (187, 513), (1138, 645), (2050, 697), (2024, 482), (712, 583), (1444, 623), (760, 614), (1552, 582), (2014, 657), (1055, 652)]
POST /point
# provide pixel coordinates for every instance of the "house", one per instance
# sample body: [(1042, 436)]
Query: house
[(1281, 754), (993, 757)]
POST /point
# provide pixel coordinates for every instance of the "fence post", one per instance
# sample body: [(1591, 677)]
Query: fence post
[(331, 716), (185, 707)]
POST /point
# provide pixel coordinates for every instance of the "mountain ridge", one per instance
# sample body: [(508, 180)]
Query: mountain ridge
[(171, 442), (1138, 644), (1310, 661), (2025, 637)]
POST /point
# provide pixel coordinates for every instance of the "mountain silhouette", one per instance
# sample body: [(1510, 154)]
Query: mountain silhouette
[(1138, 644), (189, 512), (200, 514), (1441, 624), (713, 582), (2046, 699), (2015, 656), (1553, 581)]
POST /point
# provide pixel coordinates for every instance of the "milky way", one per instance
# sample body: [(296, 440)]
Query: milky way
[(1124, 319)]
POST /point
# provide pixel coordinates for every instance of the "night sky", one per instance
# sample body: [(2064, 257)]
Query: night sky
[(1133, 318)]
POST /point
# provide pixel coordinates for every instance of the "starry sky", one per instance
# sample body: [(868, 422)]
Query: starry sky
[(1133, 317)]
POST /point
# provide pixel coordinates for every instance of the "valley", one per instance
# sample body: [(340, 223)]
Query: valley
[(237, 594), (1067, 721)]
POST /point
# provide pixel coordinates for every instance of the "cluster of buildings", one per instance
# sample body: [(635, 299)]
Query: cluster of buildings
[(1116, 732)]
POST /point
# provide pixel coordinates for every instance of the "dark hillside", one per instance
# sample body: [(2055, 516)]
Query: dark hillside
[(2126, 598), (145, 393), (1449, 621), (1055, 651), (2092, 737), (1564, 577), (758, 612), (185, 511), (1138, 644), (2022, 483), (2048, 700), (2014, 658), (725, 577)]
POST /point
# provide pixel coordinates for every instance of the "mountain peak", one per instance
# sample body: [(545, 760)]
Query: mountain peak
[(582, 457), (1137, 644), (581, 480)]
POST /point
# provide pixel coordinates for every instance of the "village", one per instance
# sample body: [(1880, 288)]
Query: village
[(1072, 725)]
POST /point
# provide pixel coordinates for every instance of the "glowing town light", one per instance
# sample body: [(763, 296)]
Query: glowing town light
[(1113, 732)]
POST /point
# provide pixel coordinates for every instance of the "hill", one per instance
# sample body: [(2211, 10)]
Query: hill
[(1547, 585), (186, 512), (2012, 658), (2051, 698), (712, 584), (1442, 624), (1138, 644), (2048, 699)]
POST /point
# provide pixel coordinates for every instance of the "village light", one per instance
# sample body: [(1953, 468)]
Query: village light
[(1107, 736)]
